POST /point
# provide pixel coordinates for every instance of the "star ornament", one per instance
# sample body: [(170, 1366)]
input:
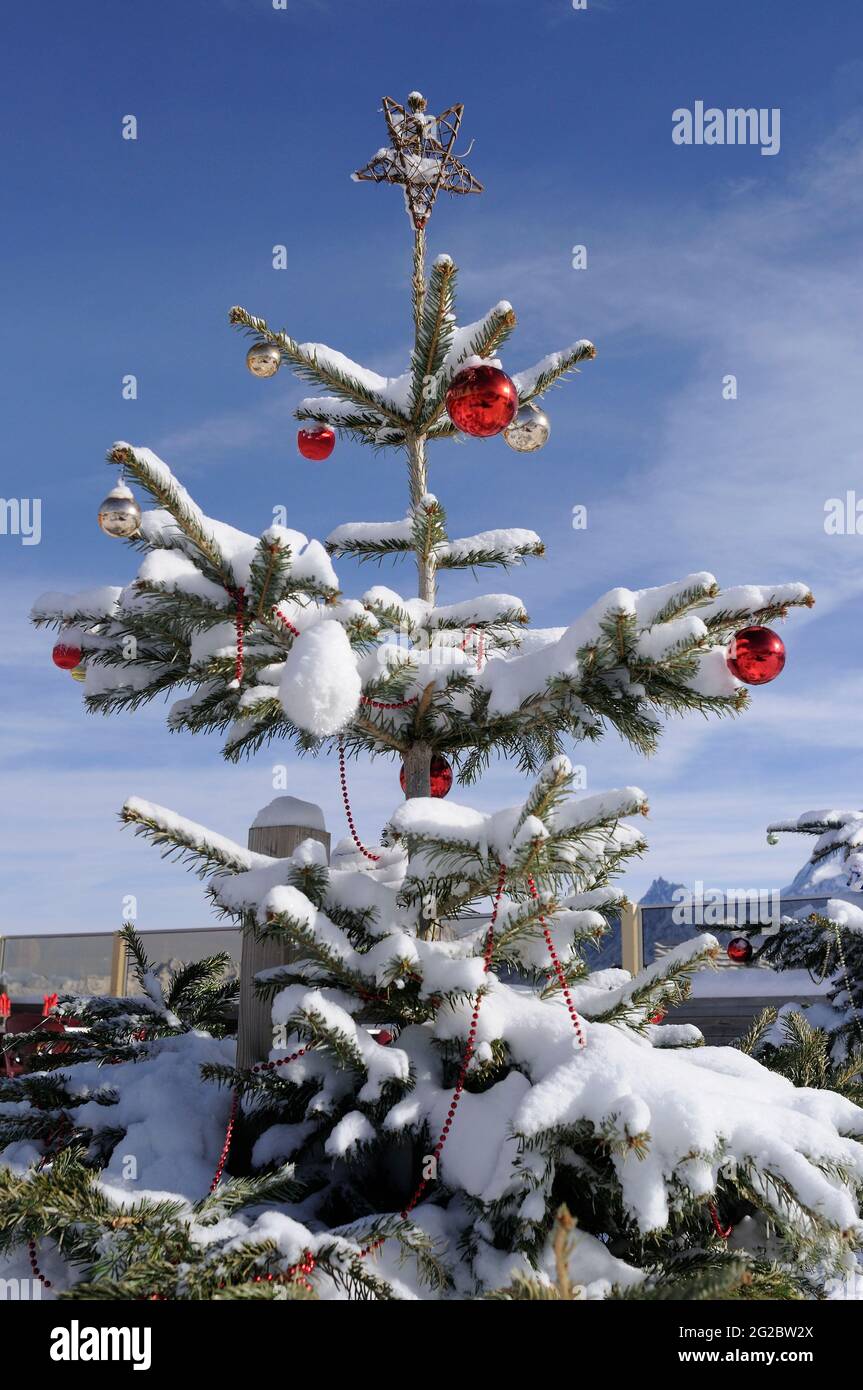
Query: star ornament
[(420, 156)]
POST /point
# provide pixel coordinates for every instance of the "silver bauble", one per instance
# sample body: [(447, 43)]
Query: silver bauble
[(529, 430), (263, 359), (119, 514)]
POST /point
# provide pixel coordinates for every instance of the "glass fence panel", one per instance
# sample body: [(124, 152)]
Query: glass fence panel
[(168, 950), (665, 926), (34, 966), (606, 955)]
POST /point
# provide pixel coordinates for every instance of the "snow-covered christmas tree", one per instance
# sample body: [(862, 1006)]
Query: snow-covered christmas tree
[(441, 1083), (835, 864), (827, 939)]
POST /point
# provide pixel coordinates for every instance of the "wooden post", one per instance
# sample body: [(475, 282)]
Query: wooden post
[(631, 942), (277, 830), (117, 987)]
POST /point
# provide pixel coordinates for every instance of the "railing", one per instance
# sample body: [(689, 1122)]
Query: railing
[(641, 933), (88, 963)]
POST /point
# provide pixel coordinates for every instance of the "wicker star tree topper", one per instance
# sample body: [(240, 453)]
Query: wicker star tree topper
[(420, 156)]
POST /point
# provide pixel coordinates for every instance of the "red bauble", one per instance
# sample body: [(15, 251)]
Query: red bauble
[(316, 444), (66, 657), (384, 1037), (482, 401), (756, 655), (440, 777), (739, 950), (657, 1017)]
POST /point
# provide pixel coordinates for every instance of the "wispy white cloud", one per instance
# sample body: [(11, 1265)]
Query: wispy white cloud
[(763, 285)]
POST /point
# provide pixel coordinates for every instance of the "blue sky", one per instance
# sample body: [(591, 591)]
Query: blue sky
[(702, 261)]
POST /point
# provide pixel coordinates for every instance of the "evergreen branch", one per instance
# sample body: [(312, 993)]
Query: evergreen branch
[(478, 340), (536, 380), (269, 577), (366, 548), (754, 1035), (233, 1194), (434, 332), (157, 480), (186, 840), (465, 557), (307, 366)]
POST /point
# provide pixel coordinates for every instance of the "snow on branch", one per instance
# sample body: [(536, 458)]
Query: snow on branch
[(694, 1105), (504, 546), (848, 915), (762, 603), (837, 855), (369, 426), (543, 374), (188, 840), (635, 628), (157, 479), (434, 331), (548, 816), (484, 610), (371, 538), (645, 987), (479, 339), (84, 609), (333, 370)]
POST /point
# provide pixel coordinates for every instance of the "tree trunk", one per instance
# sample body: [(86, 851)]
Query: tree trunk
[(426, 569), (418, 279), (418, 770)]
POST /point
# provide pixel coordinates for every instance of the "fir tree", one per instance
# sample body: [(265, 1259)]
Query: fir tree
[(103, 1031), (828, 943), (516, 1080)]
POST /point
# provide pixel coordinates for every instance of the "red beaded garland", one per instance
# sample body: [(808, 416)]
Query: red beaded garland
[(558, 968), (388, 704), (316, 444), (285, 622), (66, 656), (440, 777), (239, 598), (229, 1134), (756, 655), (343, 779), (468, 1053), (34, 1265), (482, 401), (739, 949), (235, 1105), (480, 645)]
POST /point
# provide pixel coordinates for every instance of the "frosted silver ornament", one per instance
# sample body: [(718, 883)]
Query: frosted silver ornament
[(119, 514), (263, 359), (529, 430)]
